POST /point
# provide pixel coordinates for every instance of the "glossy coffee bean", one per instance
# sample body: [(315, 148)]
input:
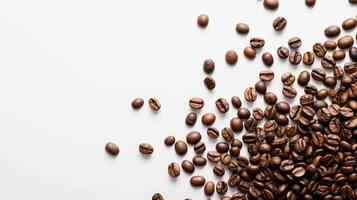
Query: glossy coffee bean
[(112, 149), (345, 42), (173, 169), (332, 31), (287, 78), (209, 82), (260, 87), (181, 147), (231, 57), (157, 196), (266, 75), (271, 4), (338, 55), (191, 119), (208, 66), (308, 58), (250, 94), (349, 23), (310, 3), (193, 137), (294, 42), (353, 53), (197, 181), (242, 28), (249, 52), (267, 59), (199, 161), (202, 20), (283, 52), (270, 98), (137, 103), (196, 103), (208, 119), (295, 57), (222, 105), (257, 42), (154, 104), (209, 188), (330, 45), (279, 23), (319, 49), (169, 140), (187, 166), (146, 148), (236, 102), (303, 78)]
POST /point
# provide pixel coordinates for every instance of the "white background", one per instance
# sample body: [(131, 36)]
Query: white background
[(69, 70)]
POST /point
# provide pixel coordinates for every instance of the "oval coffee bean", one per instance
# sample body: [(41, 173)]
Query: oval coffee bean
[(236, 102), (267, 59), (349, 24), (181, 147), (208, 66), (338, 54), (199, 161), (196, 103), (219, 171), (236, 124), (308, 58), (137, 103), (187, 166), (112, 149), (222, 105), (209, 82), (197, 181), (242, 28), (283, 52), (208, 119), (266, 75), (287, 78), (295, 57), (271, 4), (294, 42), (318, 74), (173, 169), (345, 42), (200, 147), (193, 137), (279, 23), (157, 196), (213, 156), (260, 87), (243, 113), (353, 53), (202, 20), (332, 31), (270, 98), (169, 140), (249, 52), (231, 57), (146, 148), (221, 187), (257, 42), (191, 119), (250, 94), (328, 62), (209, 188), (154, 104), (319, 49), (212, 132), (310, 3), (330, 44), (289, 92)]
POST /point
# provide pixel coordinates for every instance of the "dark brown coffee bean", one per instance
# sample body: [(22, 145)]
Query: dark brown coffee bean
[(227, 134), (250, 94), (267, 59), (236, 124), (231, 57), (353, 53), (283, 52), (202, 20), (318, 74), (154, 104), (196, 103), (322, 94), (298, 172), (146, 148), (258, 114), (199, 147), (157, 196), (310, 3), (308, 58), (249, 52), (170, 140), (222, 147), (236, 102), (338, 72), (243, 113), (286, 165), (338, 55), (221, 187), (208, 119), (209, 188), (270, 98), (319, 49), (282, 107), (294, 42), (287, 78), (222, 105), (219, 171), (266, 75), (187, 166), (181, 147), (345, 42), (295, 57), (137, 103), (328, 62), (213, 156), (279, 23), (271, 4), (310, 89), (173, 169), (330, 45), (209, 82), (350, 67), (193, 137), (226, 159), (112, 149), (233, 180), (191, 119), (332, 31), (242, 28), (261, 87), (257, 42), (212, 132), (330, 81), (349, 24), (208, 66), (199, 161)]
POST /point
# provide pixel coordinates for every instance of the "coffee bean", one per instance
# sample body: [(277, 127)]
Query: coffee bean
[(202, 20), (208, 119), (318, 74), (310, 89), (283, 52), (257, 42), (287, 78), (338, 55), (243, 113), (338, 72), (227, 134), (308, 58), (236, 124), (199, 147), (328, 62), (187, 166), (208, 66), (267, 59), (209, 188), (330, 81), (298, 172), (345, 42), (154, 104), (170, 140), (353, 53), (266, 75), (332, 31), (282, 107), (193, 137), (221, 187), (197, 181), (236, 102), (279, 23), (271, 4), (219, 171), (112, 149), (322, 94), (349, 24), (310, 3), (242, 28), (222, 147), (294, 42), (258, 114), (286, 165), (249, 52), (289, 92), (233, 180), (319, 49), (191, 119), (213, 156), (199, 161), (330, 45), (146, 148), (157, 196), (350, 67), (137, 103), (295, 57), (222, 105), (261, 87), (173, 169), (212, 132), (270, 98), (250, 94), (209, 82), (181, 147), (196, 103), (231, 57)]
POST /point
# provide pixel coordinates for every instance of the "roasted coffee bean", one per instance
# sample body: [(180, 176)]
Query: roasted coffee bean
[(219, 171), (169, 140), (353, 53), (295, 57), (349, 24), (222, 105), (283, 52), (271, 4), (154, 104), (236, 102), (286, 165), (173, 169), (266, 75), (243, 113), (257, 42), (338, 72), (112, 149), (208, 119), (345, 42), (287, 78), (191, 119), (282, 107), (146, 148), (294, 42), (137, 103), (157, 196), (330, 81), (267, 59), (338, 55), (202, 20), (330, 45), (221, 187), (212, 132), (209, 82), (227, 134), (298, 172), (303, 78), (242, 28), (193, 137), (350, 67), (318, 74), (226, 159), (181, 147), (332, 31), (251, 125), (199, 161), (260, 87), (308, 58), (249, 52), (209, 188), (200, 147), (231, 57), (310, 3), (319, 49), (270, 112), (328, 62), (270, 98), (250, 94), (213, 156), (197, 181), (310, 89), (187, 166), (208, 66), (233, 180), (258, 114), (307, 100), (196, 103), (279, 23), (236, 124), (222, 147)]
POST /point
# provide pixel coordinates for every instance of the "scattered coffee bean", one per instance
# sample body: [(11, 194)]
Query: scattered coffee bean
[(353, 53), (236, 124), (257, 42), (243, 113), (328, 62), (289, 92), (287, 78), (208, 66), (219, 171), (169, 140), (270, 98), (308, 58), (260, 87), (295, 57), (197, 181), (222, 105), (271, 4), (330, 81), (330, 45), (236, 102), (209, 82), (279, 23), (303, 78), (349, 24), (154, 104), (212, 132), (258, 114), (112, 149), (294, 42), (208, 119), (266, 75), (338, 55), (193, 137), (345, 42), (199, 147), (332, 31), (267, 59), (187, 166), (283, 52), (231, 57), (209, 188), (181, 147), (191, 119), (213, 156), (250, 94), (202, 20), (310, 3), (227, 134), (173, 169), (137, 103), (221, 187), (242, 28), (199, 161), (196, 103), (319, 49), (157, 196), (146, 148), (249, 52), (318, 74)]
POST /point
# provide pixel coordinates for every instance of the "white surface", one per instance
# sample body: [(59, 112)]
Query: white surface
[(69, 70)]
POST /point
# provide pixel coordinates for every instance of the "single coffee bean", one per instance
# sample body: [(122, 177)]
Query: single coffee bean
[(282, 107), (271, 4), (173, 169), (298, 172), (236, 102), (193, 137), (349, 24), (209, 188), (257, 42), (187, 166), (318, 74), (146, 148), (330, 45), (258, 114), (219, 171), (221, 187), (250, 94), (332, 31), (289, 92), (283, 52), (249, 52), (310, 89), (231, 57), (328, 62), (266, 75), (169, 140), (222, 105), (199, 147), (154, 104), (191, 119), (208, 119), (330, 81), (286, 165), (181, 147), (308, 58), (338, 72), (202, 20), (319, 49), (208, 66), (310, 3), (295, 57), (222, 147), (270, 98), (137, 103), (199, 161), (236, 124), (338, 54), (227, 134), (157, 196), (287, 78), (322, 94), (212, 132), (279, 23), (209, 82), (243, 113), (213, 156), (267, 59), (112, 149), (196, 103), (353, 53), (294, 42), (345, 42), (350, 67), (197, 181), (260, 87), (242, 28)]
